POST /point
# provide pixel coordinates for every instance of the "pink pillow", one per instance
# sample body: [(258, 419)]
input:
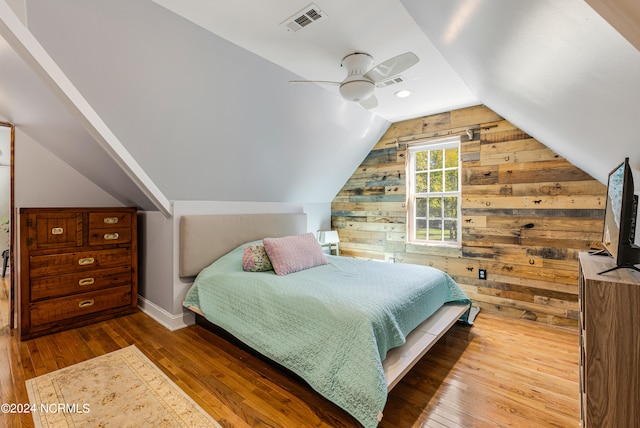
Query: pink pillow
[(294, 253), (255, 259)]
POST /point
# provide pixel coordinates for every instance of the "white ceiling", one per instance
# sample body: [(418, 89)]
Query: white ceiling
[(555, 69), (381, 28)]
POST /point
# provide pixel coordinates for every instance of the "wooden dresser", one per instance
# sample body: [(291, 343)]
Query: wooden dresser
[(77, 266), (609, 344)]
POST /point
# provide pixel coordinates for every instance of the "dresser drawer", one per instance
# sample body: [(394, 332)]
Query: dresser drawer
[(52, 310), (48, 230), (109, 220), (81, 261), (81, 282), (109, 236)]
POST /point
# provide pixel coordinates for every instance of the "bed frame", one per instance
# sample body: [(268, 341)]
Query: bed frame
[(205, 238)]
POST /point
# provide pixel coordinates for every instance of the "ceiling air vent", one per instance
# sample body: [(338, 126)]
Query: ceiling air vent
[(389, 82), (307, 16)]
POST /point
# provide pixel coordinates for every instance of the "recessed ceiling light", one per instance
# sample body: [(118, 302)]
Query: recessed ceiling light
[(403, 93)]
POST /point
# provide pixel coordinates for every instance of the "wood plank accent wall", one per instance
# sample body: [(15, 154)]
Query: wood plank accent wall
[(527, 213)]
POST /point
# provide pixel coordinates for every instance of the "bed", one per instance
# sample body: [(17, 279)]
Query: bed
[(350, 328)]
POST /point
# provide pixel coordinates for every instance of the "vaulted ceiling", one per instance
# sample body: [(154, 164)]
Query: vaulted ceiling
[(189, 100)]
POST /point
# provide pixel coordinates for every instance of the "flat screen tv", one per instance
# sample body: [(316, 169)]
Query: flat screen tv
[(618, 234)]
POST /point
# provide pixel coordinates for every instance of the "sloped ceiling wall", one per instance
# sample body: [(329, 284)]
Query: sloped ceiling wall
[(205, 119), (556, 69), (28, 102)]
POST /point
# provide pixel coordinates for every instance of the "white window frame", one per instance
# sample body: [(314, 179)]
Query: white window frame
[(412, 149)]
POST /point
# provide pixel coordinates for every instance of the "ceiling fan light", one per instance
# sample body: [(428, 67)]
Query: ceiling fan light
[(357, 90)]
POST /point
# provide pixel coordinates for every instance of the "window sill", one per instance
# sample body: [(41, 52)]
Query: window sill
[(454, 245)]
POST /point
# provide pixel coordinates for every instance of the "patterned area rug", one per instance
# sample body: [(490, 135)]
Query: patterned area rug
[(120, 389)]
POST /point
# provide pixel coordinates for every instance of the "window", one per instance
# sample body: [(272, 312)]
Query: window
[(433, 191)]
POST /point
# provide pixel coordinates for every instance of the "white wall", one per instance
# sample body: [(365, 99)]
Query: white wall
[(156, 267), (318, 216), (43, 180), (5, 185)]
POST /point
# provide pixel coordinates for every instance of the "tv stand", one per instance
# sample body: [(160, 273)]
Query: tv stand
[(609, 343)]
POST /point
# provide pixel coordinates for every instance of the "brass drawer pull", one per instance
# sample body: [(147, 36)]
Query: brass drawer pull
[(86, 303), (57, 231), (86, 281), (86, 261), (110, 220), (111, 236)]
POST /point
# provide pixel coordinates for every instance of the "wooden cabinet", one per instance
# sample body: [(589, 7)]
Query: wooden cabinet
[(609, 344), (77, 266)]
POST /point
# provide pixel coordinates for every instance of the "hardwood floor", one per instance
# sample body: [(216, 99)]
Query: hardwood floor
[(500, 372)]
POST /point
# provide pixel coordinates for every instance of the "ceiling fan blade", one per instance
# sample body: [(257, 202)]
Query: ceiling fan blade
[(322, 82), (369, 103), (392, 67)]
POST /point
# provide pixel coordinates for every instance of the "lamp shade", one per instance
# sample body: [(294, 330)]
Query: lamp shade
[(328, 237)]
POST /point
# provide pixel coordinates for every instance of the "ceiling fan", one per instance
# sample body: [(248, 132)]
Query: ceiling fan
[(361, 80)]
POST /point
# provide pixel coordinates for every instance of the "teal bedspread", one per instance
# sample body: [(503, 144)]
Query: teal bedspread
[(332, 324)]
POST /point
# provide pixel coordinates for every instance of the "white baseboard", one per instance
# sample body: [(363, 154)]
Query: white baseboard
[(168, 320)]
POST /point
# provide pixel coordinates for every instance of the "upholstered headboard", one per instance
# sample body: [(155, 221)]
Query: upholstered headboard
[(205, 238)]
